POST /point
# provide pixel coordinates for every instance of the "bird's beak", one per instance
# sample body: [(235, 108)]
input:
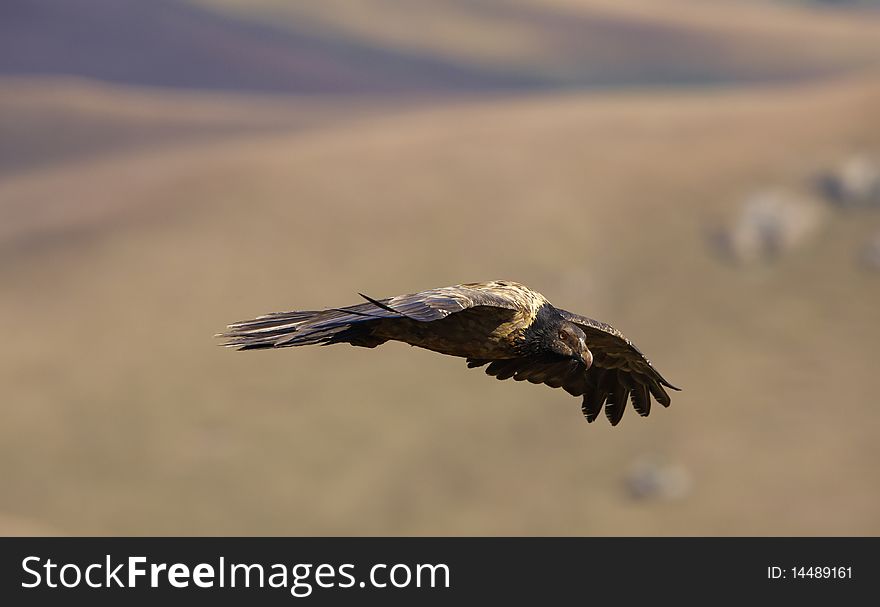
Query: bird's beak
[(585, 357)]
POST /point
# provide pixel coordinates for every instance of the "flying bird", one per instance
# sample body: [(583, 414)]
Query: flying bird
[(503, 324)]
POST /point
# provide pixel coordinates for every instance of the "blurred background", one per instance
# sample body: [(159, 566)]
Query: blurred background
[(700, 173)]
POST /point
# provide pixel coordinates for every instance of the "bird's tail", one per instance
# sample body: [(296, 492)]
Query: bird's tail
[(299, 328)]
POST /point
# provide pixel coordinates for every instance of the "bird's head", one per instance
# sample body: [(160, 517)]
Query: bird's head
[(569, 340)]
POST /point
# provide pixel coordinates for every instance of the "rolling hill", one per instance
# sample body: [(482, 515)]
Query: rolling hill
[(595, 43), (381, 47), (46, 121), (170, 43)]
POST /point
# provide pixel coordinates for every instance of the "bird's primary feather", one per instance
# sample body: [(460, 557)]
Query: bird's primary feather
[(502, 325)]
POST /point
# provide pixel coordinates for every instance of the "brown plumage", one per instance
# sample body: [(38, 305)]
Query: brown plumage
[(502, 324)]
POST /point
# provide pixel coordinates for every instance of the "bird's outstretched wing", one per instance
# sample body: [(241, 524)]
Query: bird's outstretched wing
[(619, 372), (335, 325)]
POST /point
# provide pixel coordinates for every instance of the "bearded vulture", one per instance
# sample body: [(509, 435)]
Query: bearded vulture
[(502, 324)]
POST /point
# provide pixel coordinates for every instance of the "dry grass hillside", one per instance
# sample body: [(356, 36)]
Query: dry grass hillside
[(383, 46), (51, 121), (175, 44), (592, 42), (121, 415)]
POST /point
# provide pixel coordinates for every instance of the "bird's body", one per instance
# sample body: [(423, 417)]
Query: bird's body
[(502, 324), (469, 333), (483, 330)]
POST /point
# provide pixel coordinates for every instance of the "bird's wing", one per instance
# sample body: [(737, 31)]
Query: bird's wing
[(296, 328), (619, 372)]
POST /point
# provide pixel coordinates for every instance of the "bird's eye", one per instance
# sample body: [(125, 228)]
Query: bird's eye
[(562, 335)]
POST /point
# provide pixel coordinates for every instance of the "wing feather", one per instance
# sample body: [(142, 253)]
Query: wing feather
[(616, 404), (506, 368), (641, 400)]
